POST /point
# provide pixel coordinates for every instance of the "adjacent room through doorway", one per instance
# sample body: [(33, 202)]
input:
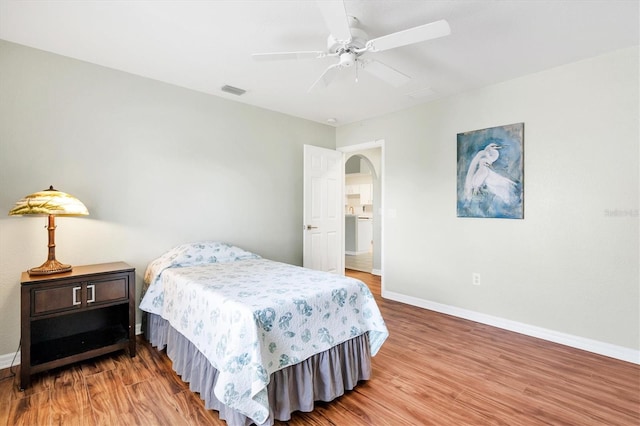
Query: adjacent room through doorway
[(362, 202)]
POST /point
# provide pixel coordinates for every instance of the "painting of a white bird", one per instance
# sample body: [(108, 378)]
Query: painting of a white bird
[(490, 172)]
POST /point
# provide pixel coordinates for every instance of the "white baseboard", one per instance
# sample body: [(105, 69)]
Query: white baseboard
[(601, 348), (377, 272), (5, 360)]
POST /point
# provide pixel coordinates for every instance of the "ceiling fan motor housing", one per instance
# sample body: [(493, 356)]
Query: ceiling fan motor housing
[(358, 41)]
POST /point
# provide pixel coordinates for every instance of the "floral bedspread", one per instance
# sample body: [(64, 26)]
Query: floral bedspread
[(253, 316)]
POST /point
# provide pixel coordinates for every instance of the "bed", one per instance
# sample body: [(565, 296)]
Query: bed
[(259, 339)]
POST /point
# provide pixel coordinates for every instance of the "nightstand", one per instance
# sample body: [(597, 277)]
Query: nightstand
[(76, 315)]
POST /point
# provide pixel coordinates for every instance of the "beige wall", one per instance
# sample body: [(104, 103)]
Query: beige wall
[(156, 165), (571, 265)]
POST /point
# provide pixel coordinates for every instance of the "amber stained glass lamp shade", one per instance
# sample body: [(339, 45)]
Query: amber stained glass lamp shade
[(51, 203)]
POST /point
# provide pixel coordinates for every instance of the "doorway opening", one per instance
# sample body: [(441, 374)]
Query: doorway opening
[(363, 166), (358, 227)]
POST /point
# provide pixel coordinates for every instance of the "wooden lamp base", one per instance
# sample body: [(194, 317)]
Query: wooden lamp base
[(51, 266)]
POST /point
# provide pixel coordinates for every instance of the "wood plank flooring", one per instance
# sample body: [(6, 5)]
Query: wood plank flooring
[(433, 370)]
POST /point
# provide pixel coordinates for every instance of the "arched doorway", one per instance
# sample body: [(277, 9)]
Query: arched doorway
[(361, 224)]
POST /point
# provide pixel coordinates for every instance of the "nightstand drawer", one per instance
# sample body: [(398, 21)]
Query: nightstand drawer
[(107, 290), (47, 300)]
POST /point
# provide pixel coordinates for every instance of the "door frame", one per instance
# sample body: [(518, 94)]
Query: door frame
[(348, 149)]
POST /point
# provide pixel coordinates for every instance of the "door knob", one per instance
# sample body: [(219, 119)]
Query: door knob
[(311, 227)]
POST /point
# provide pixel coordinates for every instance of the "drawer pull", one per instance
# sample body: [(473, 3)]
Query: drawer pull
[(75, 296), (91, 299)]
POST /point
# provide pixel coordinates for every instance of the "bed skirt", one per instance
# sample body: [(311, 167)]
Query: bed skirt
[(323, 377)]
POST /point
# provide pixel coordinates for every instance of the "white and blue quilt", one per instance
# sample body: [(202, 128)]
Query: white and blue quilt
[(251, 316)]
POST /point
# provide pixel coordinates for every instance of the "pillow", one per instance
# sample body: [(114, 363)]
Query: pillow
[(185, 255), (195, 253)]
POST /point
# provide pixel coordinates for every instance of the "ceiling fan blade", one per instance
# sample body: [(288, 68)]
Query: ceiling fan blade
[(412, 35), (278, 56), (385, 72), (326, 78), (335, 16)]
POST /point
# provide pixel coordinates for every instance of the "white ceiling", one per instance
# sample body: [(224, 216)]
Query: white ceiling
[(203, 45)]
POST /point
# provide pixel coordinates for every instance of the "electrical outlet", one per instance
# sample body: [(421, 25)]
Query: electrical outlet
[(475, 278)]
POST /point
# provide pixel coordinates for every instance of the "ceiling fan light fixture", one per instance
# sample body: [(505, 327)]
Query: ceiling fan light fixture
[(347, 59), (233, 90)]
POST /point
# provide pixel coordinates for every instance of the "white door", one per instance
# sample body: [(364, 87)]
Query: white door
[(322, 211)]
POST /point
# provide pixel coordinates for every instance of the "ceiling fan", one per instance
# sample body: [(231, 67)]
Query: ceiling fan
[(349, 44)]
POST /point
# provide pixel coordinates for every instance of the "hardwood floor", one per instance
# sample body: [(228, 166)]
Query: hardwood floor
[(433, 370)]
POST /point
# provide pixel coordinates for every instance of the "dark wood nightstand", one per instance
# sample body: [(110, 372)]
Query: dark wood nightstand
[(76, 315)]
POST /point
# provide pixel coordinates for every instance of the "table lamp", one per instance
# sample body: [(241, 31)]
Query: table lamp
[(53, 203)]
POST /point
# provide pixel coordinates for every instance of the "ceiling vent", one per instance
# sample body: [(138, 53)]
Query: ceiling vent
[(233, 90)]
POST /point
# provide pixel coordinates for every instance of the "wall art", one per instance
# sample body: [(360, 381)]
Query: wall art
[(491, 172)]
